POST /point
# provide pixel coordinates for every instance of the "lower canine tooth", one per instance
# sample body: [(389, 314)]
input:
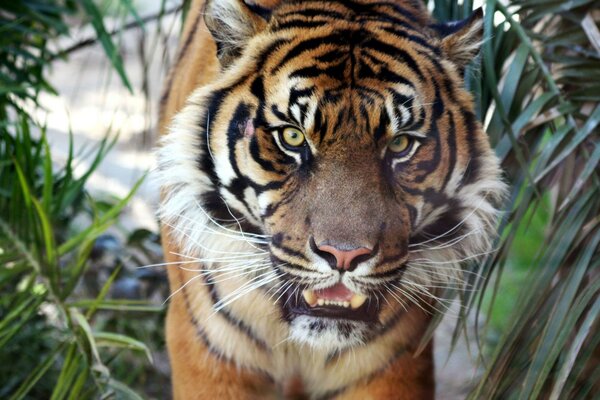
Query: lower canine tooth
[(346, 304), (321, 302), (357, 300), (310, 297)]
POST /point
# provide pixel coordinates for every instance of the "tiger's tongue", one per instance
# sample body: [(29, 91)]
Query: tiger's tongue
[(338, 292)]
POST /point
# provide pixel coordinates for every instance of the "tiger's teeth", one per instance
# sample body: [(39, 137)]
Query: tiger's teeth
[(321, 302), (357, 300), (310, 297)]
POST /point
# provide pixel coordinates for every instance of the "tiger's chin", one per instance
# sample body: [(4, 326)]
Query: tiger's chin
[(331, 319), (328, 334)]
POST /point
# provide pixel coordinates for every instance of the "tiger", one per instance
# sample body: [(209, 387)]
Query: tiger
[(324, 183)]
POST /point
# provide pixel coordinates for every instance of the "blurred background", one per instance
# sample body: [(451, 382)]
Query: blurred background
[(82, 301)]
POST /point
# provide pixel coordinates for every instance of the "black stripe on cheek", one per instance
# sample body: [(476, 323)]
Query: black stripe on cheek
[(234, 132), (412, 215), (443, 227), (231, 319), (200, 332), (205, 162), (200, 329), (438, 104), (266, 164), (277, 242), (474, 164), (451, 145), (382, 127), (425, 168)]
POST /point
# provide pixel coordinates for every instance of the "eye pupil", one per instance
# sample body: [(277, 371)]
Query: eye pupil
[(293, 137), (401, 144)]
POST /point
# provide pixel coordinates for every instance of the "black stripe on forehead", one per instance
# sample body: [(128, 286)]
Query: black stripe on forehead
[(334, 39)]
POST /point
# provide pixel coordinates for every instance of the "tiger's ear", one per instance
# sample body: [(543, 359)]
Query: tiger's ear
[(461, 40), (232, 23)]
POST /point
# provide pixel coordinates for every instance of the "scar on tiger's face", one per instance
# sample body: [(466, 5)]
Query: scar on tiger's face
[(357, 153)]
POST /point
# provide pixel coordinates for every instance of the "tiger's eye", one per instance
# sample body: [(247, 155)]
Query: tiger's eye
[(293, 137), (400, 144)]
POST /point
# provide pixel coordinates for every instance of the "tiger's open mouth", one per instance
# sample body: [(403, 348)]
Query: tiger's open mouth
[(333, 302)]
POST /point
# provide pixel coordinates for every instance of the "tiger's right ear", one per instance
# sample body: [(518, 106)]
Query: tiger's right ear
[(232, 23)]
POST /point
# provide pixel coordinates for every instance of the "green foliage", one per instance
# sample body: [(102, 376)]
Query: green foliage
[(538, 93), (60, 343)]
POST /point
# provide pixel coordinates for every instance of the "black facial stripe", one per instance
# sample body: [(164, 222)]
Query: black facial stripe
[(443, 226), (266, 164), (395, 272), (474, 164), (293, 23), (214, 351), (304, 46), (236, 126), (427, 167), (370, 93), (394, 52), (205, 162), (411, 36), (280, 266), (214, 204), (280, 115), (265, 54), (234, 321), (297, 94), (313, 12), (413, 214), (273, 207), (335, 72), (401, 100), (382, 126), (451, 146), (393, 8), (277, 242), (199, 328)]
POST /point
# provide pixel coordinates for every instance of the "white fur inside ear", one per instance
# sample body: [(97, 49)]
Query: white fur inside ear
[(230, 23), (463, 45)]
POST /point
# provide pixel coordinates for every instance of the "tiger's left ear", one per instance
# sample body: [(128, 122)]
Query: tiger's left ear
[(233, 22), (461, 40)]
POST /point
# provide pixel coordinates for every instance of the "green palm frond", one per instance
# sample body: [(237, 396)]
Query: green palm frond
[(538, 95)]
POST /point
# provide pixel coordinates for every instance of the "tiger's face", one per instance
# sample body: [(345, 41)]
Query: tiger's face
[(338, 142)]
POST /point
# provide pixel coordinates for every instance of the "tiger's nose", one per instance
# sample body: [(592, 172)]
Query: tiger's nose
[(344, 259)]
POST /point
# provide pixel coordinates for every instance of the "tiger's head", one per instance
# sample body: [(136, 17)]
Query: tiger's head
[(336, 162)]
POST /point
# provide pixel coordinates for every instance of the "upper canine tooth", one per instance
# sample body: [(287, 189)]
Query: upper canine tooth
[(310, 297), (357, 300)]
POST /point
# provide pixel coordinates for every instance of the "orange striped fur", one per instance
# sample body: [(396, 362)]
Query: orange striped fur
[(324, 182)]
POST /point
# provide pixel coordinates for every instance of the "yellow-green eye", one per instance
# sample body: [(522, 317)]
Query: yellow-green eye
[(401, 144), (292, 137)]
